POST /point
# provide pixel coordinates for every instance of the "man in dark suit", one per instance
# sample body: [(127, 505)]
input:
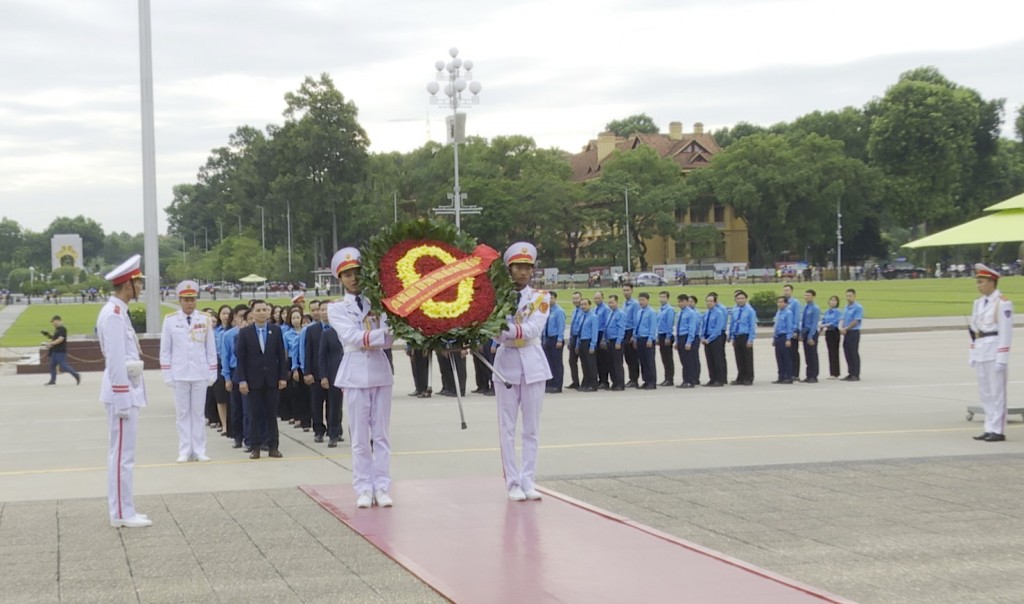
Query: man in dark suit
[(313, 375), (262, 373), (331, 352)]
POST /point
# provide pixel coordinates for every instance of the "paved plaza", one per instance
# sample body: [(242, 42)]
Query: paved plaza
[(873, 490)]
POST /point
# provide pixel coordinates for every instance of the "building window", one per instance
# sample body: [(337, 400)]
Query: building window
[(697, 216), (719, 213)]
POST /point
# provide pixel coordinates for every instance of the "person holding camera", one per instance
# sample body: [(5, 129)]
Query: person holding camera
[(58, 350)]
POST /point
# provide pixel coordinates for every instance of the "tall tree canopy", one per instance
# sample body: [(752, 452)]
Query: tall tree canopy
[(641, 123)]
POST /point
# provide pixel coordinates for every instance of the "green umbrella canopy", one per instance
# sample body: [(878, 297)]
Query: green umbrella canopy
[(1013, 203), (252, 278), (997, 227)]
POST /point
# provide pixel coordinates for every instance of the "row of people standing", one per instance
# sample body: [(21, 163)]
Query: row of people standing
[(614, 346)]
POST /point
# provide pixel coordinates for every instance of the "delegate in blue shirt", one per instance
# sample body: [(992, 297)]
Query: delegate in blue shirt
[(228, 361), (631, 308), (666, 317), (576, 322), (291, 342), (784, 323), (809, 326), (688, 326), (646, 323), (589, 329), (601, 312), (556, 323), (831, 318), (616, 330), (853, 312), (714, 323), (794, 307), (744, 322)]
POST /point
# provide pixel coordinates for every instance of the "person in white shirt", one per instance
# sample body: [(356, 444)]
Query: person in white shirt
[(991, 337), (365, 378), (520, 360), (188, 360)]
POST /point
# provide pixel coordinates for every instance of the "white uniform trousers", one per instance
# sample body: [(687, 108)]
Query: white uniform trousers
[(190, 407), (992, 392), (528, 399), (121, 463), (369, 419)]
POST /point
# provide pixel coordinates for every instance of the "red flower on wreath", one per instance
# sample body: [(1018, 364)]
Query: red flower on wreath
[(467, 303)]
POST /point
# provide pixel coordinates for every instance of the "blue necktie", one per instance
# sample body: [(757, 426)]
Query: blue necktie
[(263, 339)]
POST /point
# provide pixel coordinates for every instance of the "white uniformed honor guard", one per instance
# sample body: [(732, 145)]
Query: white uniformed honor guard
[(122, 391), (366, 379), (188, 360), (991, 336), (520, 360)]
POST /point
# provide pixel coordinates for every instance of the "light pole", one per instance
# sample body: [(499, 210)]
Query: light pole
[(263, 230), (629, 261), (457, 76), (396, 206), (839, 241), (32, 274), (206, 237), (288, 214)]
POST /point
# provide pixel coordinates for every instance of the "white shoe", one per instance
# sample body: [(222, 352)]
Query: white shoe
[(182, 458), (532, 494), (516, 493), (365, 500), (135, 521), (383, 499), (202, 458)]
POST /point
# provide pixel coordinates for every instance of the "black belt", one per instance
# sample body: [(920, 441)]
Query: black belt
[(987, 334)]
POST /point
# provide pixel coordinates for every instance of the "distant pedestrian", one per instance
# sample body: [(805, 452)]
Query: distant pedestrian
[(58, 351), (849, 326)]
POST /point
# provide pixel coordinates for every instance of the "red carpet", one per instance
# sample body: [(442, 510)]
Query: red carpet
[(470, 544)]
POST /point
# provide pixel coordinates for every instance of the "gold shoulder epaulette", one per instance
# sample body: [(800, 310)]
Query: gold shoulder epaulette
[(1003, 298)]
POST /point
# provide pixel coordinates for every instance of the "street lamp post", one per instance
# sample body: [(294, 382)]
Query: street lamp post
[(263, 230), (839, 241), (629, 260), (457, 76), (289, 215)]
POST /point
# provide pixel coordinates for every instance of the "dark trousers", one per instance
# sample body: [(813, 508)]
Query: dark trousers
[(794, 351), (783, 358), (554, 354), (617, 374), (286, 404), (482, 373), (668, 360), (574, 361), (263, 425), (420, 361), (811, 358), (448, 376), (300, 394), (603, 361), (631, 356), (832, 343), (851, 348), (237, 415), (689, 360), (60, 359), (588, 360), (648, 371), (718, 367), (744, 359), (334, 412), (317, 402)]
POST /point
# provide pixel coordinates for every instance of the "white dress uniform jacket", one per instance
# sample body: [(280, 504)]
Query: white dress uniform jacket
[(120, 349), (364, 339), (993, 314), (520, 358), (188, 353)]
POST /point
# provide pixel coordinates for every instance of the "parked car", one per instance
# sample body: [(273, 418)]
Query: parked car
[(903, 270), (649, 279)]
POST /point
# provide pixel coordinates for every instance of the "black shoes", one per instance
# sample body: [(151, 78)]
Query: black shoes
[(618, 388), (255, 453), (735, 383), (587, 389), (666, 383), (50, 384), (424, 394), (995, 438), (783, 382), (632, 384), (78, 379), (810, 380), (850, 378), (237, 445), (648, 387), (714, 385), (333, 443), (982, 436), (553, 390), (573, 386), (319, 438), (275, 453), (685, 385), (415, 393)]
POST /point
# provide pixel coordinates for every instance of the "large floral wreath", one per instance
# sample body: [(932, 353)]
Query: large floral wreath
[(403, 268)]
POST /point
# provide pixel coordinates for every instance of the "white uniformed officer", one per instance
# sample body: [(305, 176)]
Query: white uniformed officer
[(188, 360), (991, 336), (122, 391), (366, 379), (520, 360)]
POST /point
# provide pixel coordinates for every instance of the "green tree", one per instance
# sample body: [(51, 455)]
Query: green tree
[(655, 197), (727, 136), (640, 123), (703, 241), (1019, 123)]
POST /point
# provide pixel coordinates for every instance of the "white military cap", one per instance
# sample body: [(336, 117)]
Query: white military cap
[(187, 289), (299, 298), (128, 270), (344, 259), (980, 270), (521, 253)]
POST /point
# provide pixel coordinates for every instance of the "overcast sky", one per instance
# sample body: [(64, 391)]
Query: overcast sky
[(555, 70)]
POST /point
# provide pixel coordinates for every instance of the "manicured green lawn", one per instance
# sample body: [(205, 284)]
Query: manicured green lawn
[(883, 299), (80, 319)]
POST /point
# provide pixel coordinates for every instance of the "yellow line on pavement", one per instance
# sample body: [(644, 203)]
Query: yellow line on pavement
[(623, 443)]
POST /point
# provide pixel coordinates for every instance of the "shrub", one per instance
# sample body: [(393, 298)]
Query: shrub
[(765, 306)]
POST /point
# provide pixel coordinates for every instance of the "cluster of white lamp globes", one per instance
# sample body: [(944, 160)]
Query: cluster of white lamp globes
[(458, 75)]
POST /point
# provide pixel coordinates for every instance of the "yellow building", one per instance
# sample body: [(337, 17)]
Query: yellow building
[(691, 151)]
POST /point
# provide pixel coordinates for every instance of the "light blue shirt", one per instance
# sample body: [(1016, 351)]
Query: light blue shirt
[(794, 307), (809, 329), (616, 330), (631, 309), (589, 329), (853, 312), (228, 361), (831, 318), (556, 323), (666, 317), (688, 326), (744, 322), (601, 312), (714, 323), (576, 323), (646, 323), (784, 326)]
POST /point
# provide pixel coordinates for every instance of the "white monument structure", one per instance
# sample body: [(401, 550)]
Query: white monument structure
[(66, 250)]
